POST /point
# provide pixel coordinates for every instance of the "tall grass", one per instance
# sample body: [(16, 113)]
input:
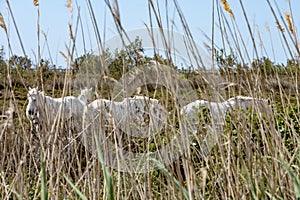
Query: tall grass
[(255, 157)]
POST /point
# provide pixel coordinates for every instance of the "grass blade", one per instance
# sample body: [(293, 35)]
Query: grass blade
[(82, 196), (44, 190), (168, 174), (109, 187), (296, 181)]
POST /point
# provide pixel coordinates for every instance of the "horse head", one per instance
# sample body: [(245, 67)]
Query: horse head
[(34, 97), (86, 95)]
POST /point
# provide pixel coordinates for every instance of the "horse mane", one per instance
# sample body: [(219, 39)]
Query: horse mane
[(34, 91)]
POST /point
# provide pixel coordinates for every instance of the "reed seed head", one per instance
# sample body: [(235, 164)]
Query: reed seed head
[(2, 23), (227, 8), (289, 22), (36, 2), (70, 5)]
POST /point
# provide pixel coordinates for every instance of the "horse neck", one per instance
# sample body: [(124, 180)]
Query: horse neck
[(83, 98), (59, 101), (52, 103)]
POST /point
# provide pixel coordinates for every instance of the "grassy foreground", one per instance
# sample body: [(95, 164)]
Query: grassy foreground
[(256, 157)]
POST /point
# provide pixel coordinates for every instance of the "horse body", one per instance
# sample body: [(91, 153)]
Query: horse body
[(139, 115), (244, 102), (132, 115), (219, 110), (42, 109)]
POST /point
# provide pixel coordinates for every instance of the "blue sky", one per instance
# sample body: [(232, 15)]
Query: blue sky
[(55, 16)]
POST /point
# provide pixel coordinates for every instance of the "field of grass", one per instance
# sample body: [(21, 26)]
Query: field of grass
[(256, 156)]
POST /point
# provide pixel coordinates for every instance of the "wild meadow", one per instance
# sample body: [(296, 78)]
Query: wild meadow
[(256, 154)]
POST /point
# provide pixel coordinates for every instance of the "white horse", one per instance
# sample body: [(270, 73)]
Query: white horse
[(134, 116), (45, 110), (219, 110), (191, 114), (138, 116), (244, 103), (86, 95)]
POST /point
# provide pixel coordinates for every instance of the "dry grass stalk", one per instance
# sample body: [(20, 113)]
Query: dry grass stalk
[(279, 27), (267, 27), (36, 3), (71, 32), (242, 165), (64, 55), (289, 22), (227, 8), (2, 23), (8, 122)]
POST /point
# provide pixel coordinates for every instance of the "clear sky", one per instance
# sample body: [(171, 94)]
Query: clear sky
[(55, 16)]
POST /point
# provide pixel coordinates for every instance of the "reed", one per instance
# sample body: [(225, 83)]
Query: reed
[(256, 155)]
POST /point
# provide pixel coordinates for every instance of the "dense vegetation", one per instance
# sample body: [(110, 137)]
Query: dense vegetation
[(260, 152), (256, 156)]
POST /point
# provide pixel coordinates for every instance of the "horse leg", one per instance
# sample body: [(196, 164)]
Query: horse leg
[(31, 125)]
